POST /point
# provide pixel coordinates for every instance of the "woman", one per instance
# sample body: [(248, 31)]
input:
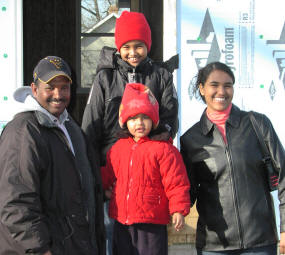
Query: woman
[(223, 159)]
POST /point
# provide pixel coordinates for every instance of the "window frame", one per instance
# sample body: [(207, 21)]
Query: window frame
[(79, 35)]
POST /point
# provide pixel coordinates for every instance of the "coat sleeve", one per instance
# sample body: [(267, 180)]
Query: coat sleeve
[(277, 154), (168, 108), (21, 211), (107, 172), (92, 122), (175, 180), (99, 200), (190, 171)]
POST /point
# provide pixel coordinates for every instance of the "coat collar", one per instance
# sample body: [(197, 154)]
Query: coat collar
[(233, 120), (142, 67), (142, 140), (48, 120)]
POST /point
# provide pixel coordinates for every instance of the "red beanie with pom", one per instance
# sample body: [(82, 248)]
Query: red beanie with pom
[(132, 26), (138, 99)]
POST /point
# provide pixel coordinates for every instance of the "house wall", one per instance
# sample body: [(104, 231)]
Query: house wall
[(49, 28), (154, 15), (10, 56), (170, 48)]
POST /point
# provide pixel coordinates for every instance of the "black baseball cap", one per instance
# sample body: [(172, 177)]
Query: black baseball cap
[(50, 67)]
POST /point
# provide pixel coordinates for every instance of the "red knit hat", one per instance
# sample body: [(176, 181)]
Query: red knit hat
[(132, 26), (138, 99)]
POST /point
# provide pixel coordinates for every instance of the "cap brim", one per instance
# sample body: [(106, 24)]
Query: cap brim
[(50, 76)]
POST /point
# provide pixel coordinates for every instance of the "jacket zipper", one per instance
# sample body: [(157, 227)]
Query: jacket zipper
[(130, 180), (229, 157), (132, 76), (63, 138)]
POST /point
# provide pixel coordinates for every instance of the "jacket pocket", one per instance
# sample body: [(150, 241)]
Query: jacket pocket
[(152, 199), (7, 243), (151, 204)]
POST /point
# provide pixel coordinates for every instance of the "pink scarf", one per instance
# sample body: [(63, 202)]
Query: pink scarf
[(219, 118)]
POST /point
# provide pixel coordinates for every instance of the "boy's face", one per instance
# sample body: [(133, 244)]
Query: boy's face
[(133, 52), (139, 126)]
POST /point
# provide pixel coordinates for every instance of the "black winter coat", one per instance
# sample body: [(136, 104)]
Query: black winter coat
[(100, 119), (46, 191), (233, 200)]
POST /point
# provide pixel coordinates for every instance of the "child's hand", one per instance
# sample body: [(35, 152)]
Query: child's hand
[(178, 221)]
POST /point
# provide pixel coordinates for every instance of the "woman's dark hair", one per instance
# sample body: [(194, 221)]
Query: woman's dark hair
[(204, 73)]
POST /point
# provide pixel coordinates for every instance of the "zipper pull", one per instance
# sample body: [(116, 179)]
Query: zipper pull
[(132, 77)]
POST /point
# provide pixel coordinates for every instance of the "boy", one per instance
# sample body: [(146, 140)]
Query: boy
[(128, 63)]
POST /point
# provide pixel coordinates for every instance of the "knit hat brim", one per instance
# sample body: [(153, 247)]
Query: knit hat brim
[(138, 99), (132, 26)]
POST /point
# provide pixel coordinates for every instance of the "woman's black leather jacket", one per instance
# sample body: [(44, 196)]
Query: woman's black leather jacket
[(229, 183)]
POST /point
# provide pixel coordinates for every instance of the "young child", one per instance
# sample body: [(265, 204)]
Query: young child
[(148, 179)]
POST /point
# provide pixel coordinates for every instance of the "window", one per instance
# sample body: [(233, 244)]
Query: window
[(98, 18)]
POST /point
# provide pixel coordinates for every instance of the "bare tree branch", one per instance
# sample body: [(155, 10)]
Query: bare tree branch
[(93, 11), (88, 10), (97, 10)]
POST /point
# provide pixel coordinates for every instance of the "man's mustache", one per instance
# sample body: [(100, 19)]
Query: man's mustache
[(50, 100)]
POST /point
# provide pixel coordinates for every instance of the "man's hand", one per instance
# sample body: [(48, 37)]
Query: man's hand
[(282, 243), (47, 253), (178, 221)]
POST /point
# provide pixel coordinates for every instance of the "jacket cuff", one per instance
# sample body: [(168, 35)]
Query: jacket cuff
[(282, 218), (39, 251)]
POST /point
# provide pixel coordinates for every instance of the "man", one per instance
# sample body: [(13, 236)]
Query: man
[(51, 193)]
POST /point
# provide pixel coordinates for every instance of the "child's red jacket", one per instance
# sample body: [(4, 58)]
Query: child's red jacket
[(150, 181)]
